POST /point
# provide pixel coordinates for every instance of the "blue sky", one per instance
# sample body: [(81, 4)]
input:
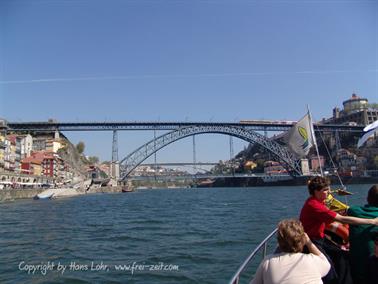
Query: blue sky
[(172, 60)]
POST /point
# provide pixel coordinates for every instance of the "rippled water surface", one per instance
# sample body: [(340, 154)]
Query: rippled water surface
[(157, 236)]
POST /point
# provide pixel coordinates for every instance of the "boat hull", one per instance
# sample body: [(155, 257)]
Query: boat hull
[(127, 189), (43, 196)]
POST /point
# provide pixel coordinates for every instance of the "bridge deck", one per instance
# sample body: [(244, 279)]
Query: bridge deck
[(102, 126)]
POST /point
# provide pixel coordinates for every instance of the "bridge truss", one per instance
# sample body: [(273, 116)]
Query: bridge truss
[(130, 162), (244, 130), (111, 126)]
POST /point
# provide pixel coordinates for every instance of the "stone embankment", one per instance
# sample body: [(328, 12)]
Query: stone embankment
[(13, 194), (106, 189)]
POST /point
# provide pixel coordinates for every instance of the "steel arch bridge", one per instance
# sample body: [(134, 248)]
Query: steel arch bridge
[(130, 162)]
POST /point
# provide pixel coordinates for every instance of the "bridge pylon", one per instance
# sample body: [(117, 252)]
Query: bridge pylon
[(114, 167), (114, 170)]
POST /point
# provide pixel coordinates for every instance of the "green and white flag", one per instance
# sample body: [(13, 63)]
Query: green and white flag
[(300, 136), (371, 130)]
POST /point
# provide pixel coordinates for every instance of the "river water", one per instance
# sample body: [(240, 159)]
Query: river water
[(148, 236)]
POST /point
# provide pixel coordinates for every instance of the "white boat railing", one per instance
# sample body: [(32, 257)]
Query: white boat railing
[(263, 245)]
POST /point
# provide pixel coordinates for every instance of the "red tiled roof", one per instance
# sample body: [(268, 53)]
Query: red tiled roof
[(43, 154), (31, 160), (12, 138)]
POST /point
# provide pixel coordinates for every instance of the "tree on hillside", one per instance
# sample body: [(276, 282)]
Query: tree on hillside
[(259, 166), (93, 159), (376, 162), (80, 147)]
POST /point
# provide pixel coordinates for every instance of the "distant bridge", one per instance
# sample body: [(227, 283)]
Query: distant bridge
[(245, 130), (204, 176), (178, 164), (256, 125)]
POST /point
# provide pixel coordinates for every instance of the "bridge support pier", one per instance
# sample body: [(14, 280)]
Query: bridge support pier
[(194, 154), (114, 170), (114, 167)]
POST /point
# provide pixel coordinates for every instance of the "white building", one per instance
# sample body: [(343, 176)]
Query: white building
[(26, 145)]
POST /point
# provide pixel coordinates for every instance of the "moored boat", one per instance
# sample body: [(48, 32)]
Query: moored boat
[(127, 189), (43, 195), (206, 183), (58, 193)]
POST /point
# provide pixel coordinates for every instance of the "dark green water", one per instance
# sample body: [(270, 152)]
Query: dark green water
[(180, 236)]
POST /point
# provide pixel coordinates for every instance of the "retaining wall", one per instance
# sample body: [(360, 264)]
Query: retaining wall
[(13, 194)]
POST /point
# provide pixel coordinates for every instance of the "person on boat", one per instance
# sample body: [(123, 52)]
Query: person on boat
[(372, 275), (291, 265), (361, 236), (315, 215)]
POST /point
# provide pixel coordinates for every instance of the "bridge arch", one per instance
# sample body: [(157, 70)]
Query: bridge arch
[(130, 162)]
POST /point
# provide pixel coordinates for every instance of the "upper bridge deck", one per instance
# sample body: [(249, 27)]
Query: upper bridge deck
[(256, 125)]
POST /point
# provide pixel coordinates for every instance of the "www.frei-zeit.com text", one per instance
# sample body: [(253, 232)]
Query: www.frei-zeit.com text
[(45, 267)]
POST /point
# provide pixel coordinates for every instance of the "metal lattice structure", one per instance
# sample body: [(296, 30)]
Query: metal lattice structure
[(110, 126), (115, 147), (129, 163)]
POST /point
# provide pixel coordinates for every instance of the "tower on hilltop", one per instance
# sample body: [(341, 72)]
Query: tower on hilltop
[(355, 110)]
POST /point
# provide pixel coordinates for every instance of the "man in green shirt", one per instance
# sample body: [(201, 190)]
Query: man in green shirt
[(361, 236)]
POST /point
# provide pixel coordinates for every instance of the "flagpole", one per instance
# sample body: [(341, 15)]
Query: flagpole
[(314, 139)]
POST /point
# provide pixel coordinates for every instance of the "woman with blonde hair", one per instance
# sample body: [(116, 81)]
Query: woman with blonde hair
[(291, 266)]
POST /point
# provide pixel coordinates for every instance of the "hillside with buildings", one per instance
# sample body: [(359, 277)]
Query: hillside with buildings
[(48, 158), (38, 159), (51, 158), (342, 147)]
